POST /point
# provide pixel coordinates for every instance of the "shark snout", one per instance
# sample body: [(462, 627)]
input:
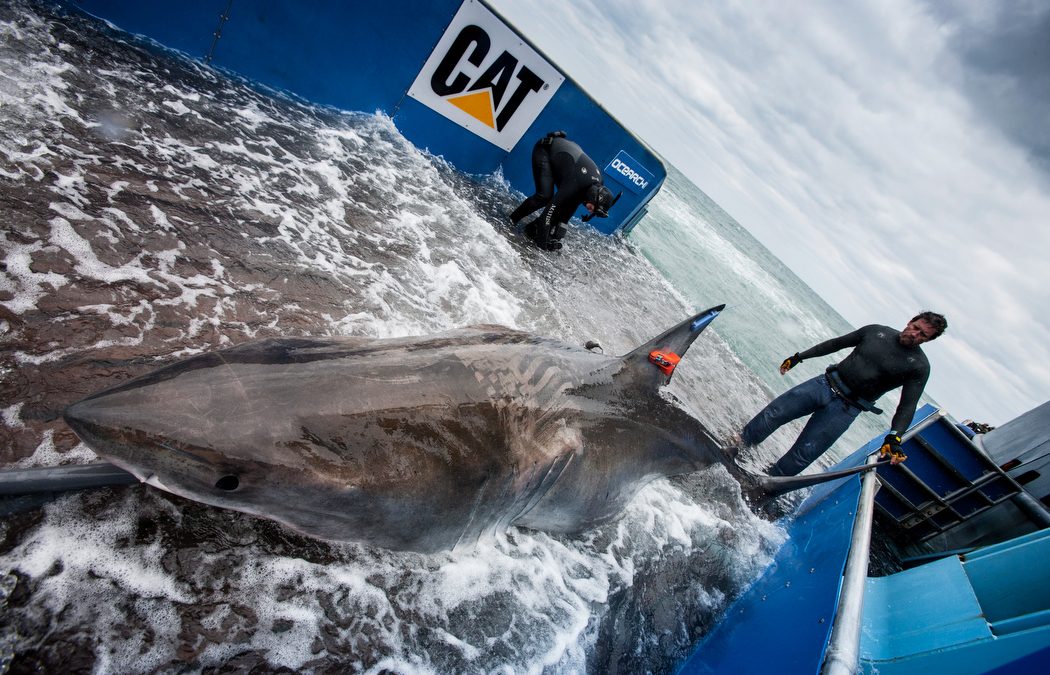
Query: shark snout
[(104, 420), (92, 422)]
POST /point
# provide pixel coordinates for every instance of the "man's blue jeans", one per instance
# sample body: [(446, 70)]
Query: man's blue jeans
[(831, 417)]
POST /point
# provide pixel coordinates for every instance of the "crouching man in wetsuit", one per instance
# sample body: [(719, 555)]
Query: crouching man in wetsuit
[(558, 162), (882, 359)]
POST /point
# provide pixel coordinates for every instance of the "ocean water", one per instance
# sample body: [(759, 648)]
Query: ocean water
[(152, 209)]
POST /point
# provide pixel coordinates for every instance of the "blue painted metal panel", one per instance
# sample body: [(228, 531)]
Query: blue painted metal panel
[(933, 474), (956, 451), (364, 57), (190, 29), (948, 465), (344, 54), (1023, 622), (781, 624), (1004, 546), (985, 610), (1036, 663), (445, 138), (919, 610), (1015, 580), (639, 211), (1017, 653), (945, 480), (328, 52)]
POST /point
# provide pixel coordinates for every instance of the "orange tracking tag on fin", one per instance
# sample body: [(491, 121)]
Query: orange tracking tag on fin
[(665, 361)]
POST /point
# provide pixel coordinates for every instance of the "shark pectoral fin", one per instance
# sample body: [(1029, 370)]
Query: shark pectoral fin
[(651, 364), (774, 486)]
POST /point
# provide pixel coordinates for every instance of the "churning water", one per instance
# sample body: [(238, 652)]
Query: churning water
[(153, 208)]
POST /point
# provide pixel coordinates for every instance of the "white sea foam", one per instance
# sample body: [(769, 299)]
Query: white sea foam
[(87, 263), (178, 107), (87, 549), (79, 565), (25, 286), (10, 416)]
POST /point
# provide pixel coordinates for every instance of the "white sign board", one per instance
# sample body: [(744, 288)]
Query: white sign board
[(485, 78)]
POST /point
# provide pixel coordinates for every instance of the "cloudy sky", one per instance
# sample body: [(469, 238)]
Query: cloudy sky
[(894, 153)]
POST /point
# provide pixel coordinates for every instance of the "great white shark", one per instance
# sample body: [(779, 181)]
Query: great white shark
[(419, 443)]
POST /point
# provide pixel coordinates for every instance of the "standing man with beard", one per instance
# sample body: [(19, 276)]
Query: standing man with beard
[(882, 360)]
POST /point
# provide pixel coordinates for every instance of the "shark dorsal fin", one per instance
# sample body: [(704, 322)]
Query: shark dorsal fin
[(645, 369)]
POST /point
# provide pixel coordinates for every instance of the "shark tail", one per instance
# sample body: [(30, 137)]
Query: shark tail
[(760, 488)]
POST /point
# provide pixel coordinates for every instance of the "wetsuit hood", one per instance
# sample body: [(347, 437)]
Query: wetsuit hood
[(602, 198)]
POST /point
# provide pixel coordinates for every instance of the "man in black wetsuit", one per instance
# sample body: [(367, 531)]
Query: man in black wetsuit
[(558, 162), (882, 359)]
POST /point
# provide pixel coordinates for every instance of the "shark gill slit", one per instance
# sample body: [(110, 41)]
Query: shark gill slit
[(544, 485), (473, 513), (503, 522)]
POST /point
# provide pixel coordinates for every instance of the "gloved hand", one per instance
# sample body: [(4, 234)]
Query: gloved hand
[(891, 447), (790, 362)]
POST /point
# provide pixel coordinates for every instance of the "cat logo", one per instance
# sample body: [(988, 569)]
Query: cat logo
[(485, 78)]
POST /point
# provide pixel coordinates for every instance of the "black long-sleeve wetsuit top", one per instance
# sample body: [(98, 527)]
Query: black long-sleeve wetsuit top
[(878, 364), (574, 172)]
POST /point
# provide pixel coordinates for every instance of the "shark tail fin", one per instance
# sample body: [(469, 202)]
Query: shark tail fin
[(761, 488), (653, 363)]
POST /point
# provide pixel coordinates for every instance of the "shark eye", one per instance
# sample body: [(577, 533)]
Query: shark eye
[(228, 483)]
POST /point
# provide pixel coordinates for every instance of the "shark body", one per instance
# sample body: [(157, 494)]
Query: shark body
[(422, 444)]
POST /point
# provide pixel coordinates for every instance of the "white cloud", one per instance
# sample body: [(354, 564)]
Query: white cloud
[(841, 134)]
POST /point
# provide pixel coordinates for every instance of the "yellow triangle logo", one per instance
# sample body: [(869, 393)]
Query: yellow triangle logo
[(478, 105)]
